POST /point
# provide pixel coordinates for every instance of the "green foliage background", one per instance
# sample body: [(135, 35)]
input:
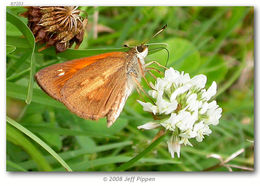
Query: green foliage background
[(42, 135)]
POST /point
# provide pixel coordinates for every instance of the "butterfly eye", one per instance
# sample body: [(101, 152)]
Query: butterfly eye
[(140, 48)]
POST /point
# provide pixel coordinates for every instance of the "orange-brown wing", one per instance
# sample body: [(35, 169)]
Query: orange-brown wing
[(92, 92), (51, 79)]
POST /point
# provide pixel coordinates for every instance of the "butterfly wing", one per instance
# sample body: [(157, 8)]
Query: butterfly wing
[(91, 87), (98, 90), (51, 79)]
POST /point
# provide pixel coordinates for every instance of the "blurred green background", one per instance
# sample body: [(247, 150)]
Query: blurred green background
[(216, 41)]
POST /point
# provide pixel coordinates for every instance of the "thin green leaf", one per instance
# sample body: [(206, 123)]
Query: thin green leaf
[(75, 54), (11, 165), (205, 27), (130, 163), (238, 15), (127, 25), (76, 153), (17, 91), (10, 49), (232, 79), (17, 138), (16, 64), (16, 21), (18, 42), (18, 75), (204, 154), (68, 132), (39, 141), (88, 164), (31, 80)]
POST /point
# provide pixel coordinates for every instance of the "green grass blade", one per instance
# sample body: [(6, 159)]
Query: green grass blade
[(11, 165), (18, 75), (83, 166), (41, 128), (204, 154), (232, 79), (15, 65), (89, 164), (130, 163), (31, 80), (75, 54), (10, 49), (17, 138), (76, 153), (39, 141), (17, 91), (128, 24), (16, 21), (238, 15), (18, 42), (205, 27)]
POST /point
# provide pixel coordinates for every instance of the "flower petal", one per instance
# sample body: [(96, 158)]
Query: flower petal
[(199, 81), (149, 107), (174, 146), (212, 90), (149, 125), (179, 91)]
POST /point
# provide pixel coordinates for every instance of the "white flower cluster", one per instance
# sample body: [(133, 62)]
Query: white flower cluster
[(185, 106)]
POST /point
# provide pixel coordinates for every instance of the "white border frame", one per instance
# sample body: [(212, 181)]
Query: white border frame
[(88, 178)]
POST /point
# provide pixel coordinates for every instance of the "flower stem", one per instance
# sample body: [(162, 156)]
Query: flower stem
[(213, 167), (128, 164)]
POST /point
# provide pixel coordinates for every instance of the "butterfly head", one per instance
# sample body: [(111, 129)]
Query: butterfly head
[(141, 50)]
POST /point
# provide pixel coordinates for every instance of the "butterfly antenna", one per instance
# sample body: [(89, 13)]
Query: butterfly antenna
[(168, 54), (157, 33), (162, 29)]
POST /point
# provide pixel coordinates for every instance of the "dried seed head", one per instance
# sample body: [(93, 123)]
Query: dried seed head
[(58, 26)]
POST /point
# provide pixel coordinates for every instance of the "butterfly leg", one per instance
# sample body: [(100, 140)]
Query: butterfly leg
[(142, 72), (149, 69), (140, 86), (155, 62), (154, 69), (152, 75), (139, 92)]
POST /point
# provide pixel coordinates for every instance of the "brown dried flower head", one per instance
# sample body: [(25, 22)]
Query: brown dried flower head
[(58, 26)]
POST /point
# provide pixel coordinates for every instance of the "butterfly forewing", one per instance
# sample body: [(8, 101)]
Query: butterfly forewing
[(52, 78)]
